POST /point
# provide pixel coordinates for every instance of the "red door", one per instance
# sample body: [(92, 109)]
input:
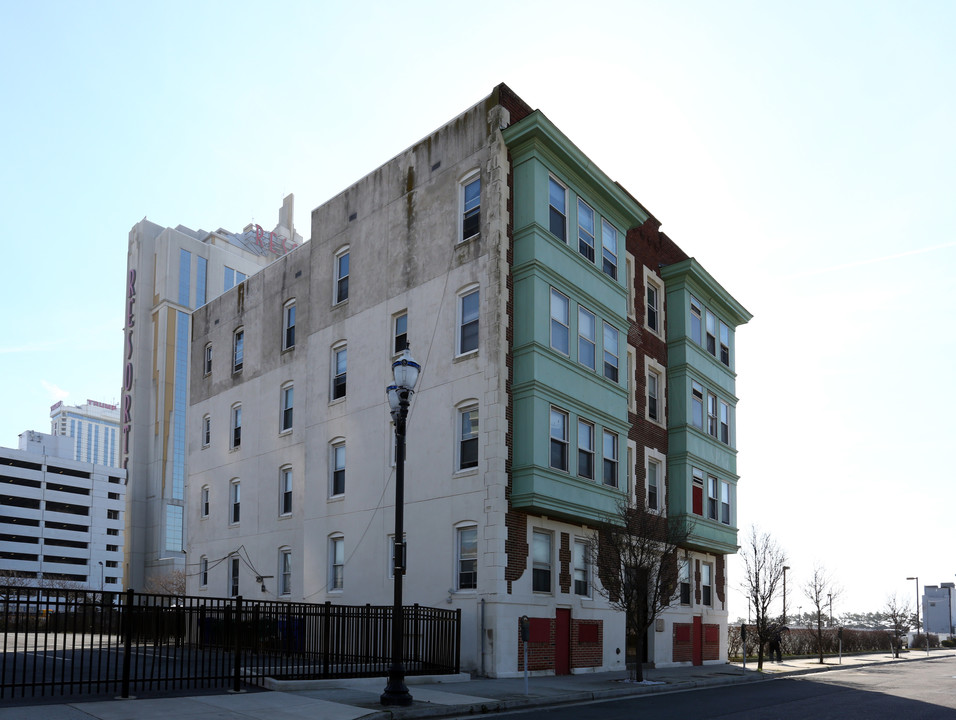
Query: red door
[(562, 642), (697, 642)]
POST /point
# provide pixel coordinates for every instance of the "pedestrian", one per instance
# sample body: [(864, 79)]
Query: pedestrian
[(775, 633)]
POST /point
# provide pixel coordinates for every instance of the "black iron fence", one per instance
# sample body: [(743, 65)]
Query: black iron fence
[(79, 642)]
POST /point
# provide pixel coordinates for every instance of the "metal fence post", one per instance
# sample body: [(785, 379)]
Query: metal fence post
[(127, 641), (237, 664)]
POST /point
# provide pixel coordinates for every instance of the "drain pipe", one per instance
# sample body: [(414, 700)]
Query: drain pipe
[(483, 637)]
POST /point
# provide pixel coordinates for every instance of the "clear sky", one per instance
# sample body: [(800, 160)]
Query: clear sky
[(804, 153)]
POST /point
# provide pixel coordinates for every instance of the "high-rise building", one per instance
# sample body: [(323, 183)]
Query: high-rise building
[(170, 272), (61, 523), (572, 356), (94, 428)]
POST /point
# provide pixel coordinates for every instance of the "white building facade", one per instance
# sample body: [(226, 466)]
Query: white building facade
[(61, 522), (170, 272), (94, 428)]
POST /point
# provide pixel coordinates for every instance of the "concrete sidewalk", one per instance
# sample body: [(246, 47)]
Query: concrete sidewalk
[(437, 696)]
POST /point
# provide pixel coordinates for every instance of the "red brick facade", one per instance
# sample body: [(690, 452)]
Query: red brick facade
[(587, 644), (684, 639)]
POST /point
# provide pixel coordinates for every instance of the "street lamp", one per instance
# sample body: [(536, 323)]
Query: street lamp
[(830, 599), (917, 612), (785, 568), (405, 373)]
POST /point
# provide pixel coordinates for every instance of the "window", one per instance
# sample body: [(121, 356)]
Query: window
[(468, 438), (237, 350), (203, 571), (470, 207), (609, 249), (585, 449), (236, 425), (724, 344), (559, 322), (206, 430), (338, 469), (706, 585), (285, 491), (683, 579), (581, 569), (112, 548), (541, 561), (231, 278), (468, 322), (695, 319), (234, 498), (585, 338), (697, 405), (558, 201), (653, 485), (401, 332), (725, 502), (698, 491), (711, 497), (653, 308), (610, 352), (340, 357), (610, 459), (233, 576), (285, 571), (341, 276), (559, 439), (336, 563), (207, 360), (711, 415), (112, 514), (711, 333), (288, 325), (653, 382), (115, 531), (724, 422), (585, 230), (204, 502), (467, 576), (287, 402)]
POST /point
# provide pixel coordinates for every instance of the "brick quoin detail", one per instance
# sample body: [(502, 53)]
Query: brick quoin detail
[(719, 577), (583, 654), (564, 557), (697, 582)]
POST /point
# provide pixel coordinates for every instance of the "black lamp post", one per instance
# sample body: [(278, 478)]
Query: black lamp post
[(405, 372), (785, 568), (917, 612)]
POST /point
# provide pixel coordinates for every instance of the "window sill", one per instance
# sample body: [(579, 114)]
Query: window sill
[(470, 238), (466, 472), (336, 401), (336, 498), (235, 448), (285, 516), (236, 371), (340, 303), (287, 431), (205, 446), (465, 356)]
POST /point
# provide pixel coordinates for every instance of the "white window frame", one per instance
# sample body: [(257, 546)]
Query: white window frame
[(652, 367), (461, 558), (552, 209), (558, 326), (337, 466), (683, 582), (204, 502), (207, 360), (580, 568), (724, 424), (339, 379), (652, 281), (712, 499), (399, 338), (203, 572), (710, 332), (584, 233), (286, 407), (697, 396), (654, 458), (706, 584), (465, 212), (288, 325), (723, 330), (611, 354), (285, 572), (340, 279), (585, 451), (468, 406), (562, 441), (538, 563), (336, 561), (584, 340), (609, 259), (460, 323), (610, 459), (286, 485), (206, 430), (726, 503), (238, 349), (713, 426), (696, 323), (235, 501), (235, 426)]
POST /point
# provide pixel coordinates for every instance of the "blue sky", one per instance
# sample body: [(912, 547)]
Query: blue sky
[(804, 154)]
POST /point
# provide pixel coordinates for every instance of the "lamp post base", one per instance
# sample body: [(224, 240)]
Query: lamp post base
[(396, 692)]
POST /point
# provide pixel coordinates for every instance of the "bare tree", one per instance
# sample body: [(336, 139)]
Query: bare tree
[(819, 590), (763, 565), (636, 555), (171, 583), (13, 581), (899, 618)]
